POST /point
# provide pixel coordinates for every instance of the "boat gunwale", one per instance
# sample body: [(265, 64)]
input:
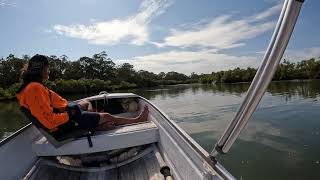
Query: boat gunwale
[(13, 135), (215, 165)]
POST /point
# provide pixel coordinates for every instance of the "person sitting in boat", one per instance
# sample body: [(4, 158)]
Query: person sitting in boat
[(54, 112)]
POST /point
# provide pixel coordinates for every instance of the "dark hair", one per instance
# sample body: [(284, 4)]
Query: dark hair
[(33, 71)]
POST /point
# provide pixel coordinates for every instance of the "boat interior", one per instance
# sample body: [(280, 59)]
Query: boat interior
[(141, 162), (126, 152)]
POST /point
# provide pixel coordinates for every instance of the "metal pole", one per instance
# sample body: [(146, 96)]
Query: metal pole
[(277, 46), (233, 123)]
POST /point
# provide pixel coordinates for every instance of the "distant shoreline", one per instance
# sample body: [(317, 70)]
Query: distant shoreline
[(13, 98), (99, 73)]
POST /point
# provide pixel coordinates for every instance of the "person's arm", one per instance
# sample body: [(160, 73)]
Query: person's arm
[(39, 105), (57, 101)]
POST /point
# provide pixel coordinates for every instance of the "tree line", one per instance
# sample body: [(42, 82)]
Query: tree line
[(85, 75), (99, 72), (305, 69)]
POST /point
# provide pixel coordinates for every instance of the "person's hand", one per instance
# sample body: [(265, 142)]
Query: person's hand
[(85, 105)]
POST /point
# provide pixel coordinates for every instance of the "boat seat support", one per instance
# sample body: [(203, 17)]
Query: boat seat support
[(121, 137)]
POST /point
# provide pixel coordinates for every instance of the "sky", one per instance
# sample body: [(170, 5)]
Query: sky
[(155, 35)]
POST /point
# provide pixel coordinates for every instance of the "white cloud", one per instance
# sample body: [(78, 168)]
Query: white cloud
[(207, 61), (111, 32), (7, 3), (267, 13), (222, 32), (204, 61), (303, 54)]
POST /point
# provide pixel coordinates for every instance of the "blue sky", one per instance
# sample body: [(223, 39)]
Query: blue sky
[(156, 35)]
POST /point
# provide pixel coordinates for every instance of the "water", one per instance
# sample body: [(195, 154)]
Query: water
[(281, 141)]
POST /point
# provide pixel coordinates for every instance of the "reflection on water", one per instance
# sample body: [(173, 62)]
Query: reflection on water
[(281, 140), (11, 119)]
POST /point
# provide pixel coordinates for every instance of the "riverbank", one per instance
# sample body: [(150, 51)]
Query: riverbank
[(85, 86), (89, 75)]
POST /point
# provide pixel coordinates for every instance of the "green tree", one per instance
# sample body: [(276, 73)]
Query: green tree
[(10, 70), (105, 67)]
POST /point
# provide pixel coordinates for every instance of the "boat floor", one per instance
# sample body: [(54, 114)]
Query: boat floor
[(147, 167)]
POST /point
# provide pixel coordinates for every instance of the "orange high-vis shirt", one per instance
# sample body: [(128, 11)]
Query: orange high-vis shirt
[(36, 98)]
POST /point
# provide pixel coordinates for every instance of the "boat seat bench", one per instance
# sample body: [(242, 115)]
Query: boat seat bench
[(121, 137)]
